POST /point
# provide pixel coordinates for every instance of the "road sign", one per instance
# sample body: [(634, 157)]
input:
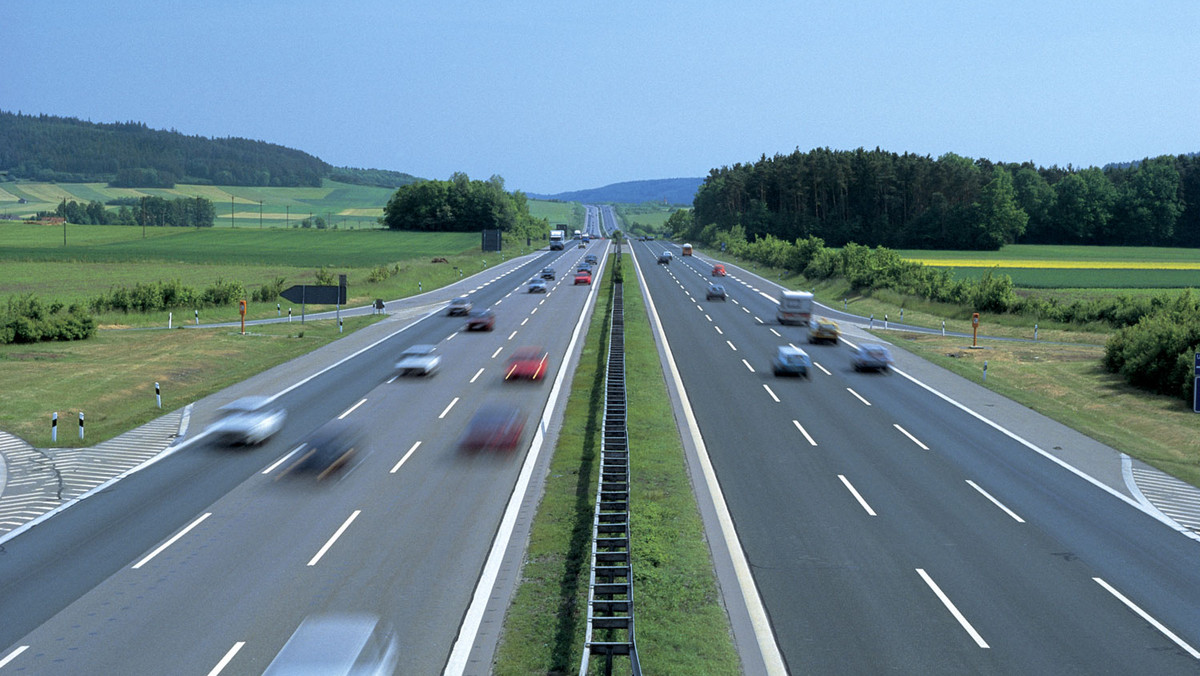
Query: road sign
[(317, 295)]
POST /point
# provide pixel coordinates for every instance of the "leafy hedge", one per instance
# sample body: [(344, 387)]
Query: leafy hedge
[(1156, 353), (25, 319), (166, 295)]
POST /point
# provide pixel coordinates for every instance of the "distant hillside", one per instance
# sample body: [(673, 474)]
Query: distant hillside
[(131, 155), (672, 190)]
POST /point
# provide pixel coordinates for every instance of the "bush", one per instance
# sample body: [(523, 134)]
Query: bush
[(1155, 354), (26, 320)]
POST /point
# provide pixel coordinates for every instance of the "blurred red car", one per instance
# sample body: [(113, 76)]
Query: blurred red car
[(527, 363), (718, 271), (495, 427), (583, 278)]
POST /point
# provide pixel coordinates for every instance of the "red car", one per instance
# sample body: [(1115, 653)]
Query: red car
[(527, 363), (583, 278), (495, 427), (718, 271)]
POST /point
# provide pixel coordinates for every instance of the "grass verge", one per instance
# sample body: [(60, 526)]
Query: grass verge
[(110, 378), (1069, 384), (682, 625)]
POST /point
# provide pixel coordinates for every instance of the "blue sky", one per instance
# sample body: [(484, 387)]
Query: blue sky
[(557, 96)]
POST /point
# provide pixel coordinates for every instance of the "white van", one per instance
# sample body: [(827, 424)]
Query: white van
[(795, 307)]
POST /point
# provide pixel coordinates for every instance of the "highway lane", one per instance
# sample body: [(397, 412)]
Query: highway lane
[(849, 538), (431, 495)]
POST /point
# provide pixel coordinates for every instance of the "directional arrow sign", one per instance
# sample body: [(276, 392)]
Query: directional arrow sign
[(317, 295)]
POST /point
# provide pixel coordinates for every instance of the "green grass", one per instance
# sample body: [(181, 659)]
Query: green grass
[(1054, 278), (682, 627), (570, 213), (1054, 252)]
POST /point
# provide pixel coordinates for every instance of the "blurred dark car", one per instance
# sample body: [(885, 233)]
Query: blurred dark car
[(590, 259), (495, 427), (537, 286), (547, 273), (715, 291), (459, 306), (871, 357), (332, 447), (664, 258), (527, 363), (338, 644), (481, 320)]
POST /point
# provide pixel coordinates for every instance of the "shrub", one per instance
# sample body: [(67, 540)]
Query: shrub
[(26, 320)]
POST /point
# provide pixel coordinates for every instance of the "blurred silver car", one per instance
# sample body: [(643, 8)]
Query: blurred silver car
[(871, 357), (249, 420), (338, 644)]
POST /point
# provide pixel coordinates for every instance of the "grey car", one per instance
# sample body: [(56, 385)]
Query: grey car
[(715, 291), (791, 361), (337, 644), (459, 306), (871, 357), (249, 420)]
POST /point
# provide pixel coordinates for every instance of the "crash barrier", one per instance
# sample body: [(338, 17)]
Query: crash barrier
[(610, 589)]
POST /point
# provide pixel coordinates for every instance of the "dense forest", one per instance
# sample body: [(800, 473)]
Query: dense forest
[(879, 198), (463, 205), (131, 155)]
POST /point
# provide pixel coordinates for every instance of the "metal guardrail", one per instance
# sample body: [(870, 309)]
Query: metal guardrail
[(610, 589)]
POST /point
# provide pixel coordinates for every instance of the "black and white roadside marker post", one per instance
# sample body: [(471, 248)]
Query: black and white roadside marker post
[(54, 427), (81, 424), (157, 394), (197, 317)]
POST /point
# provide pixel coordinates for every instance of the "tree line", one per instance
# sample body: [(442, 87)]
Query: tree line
[(190, 212), (463, 205), (880, 198)]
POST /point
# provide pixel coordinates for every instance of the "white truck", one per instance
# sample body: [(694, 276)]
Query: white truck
[(578, 234), (795, 307), (557, 243)]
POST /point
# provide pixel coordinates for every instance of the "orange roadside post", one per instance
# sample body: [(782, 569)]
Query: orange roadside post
[(974, 329), (242, 312)]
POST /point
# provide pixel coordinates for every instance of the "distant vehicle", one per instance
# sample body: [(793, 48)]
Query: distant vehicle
[(795, 307), (718, 270), (582, 244), (664, 258), (547, 273), (338, 644), (650, 238), (871, 357), (578, 234), (715, 291), (459, 306), (481, 320), (822, 329), (537, 286), (418, 360), (586, 238), (495, 427), (687, 249), (590, 259), (330, 448), (791, 361), (584, 267), (249, 420), (557, 242), (527, 363), (583, 277)]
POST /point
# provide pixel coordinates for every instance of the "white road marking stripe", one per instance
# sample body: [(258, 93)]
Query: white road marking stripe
[(335, 537), (448, 407), (748, 365), (822, 369), (804, 432), (476, 376), (8, 658), (719, 330), (858, 497), (859, 396), (227, 659), (524, 320), (351, 409), (1145, 616), (172, 541), (995, 501), (731, 346), (405, 458), (910, 437), (513, 334), (271, 468), (777, 334), (953, 610), (497, 351), (708, 317), (768, 389)]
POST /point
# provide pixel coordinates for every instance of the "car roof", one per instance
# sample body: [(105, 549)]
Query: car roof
[(324, 642), (246, 404), (790, 349)]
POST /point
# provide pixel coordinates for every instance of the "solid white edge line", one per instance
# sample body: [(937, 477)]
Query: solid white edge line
[(448, 407), (172, 541), (346, 524), (351, 409), (765, 637), (1053, 458), (910, 437), (271, 468), (953, 610), (11, 656), (1146, 616), (804, 432), (227, 659), (850, 487), (860, 398), (468, 631), (995, 501), (405, 458), (768, 389)]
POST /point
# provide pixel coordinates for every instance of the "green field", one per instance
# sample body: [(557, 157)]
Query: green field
[(570, 213), (1054, 252), (1068, 278)]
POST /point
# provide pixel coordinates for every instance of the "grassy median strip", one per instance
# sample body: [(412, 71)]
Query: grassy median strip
[(682, 627)]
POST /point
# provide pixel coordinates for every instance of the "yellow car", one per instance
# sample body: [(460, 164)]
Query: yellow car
[(822, 329)]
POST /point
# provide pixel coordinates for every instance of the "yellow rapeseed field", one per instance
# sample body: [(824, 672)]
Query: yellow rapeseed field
[(1065, 265)]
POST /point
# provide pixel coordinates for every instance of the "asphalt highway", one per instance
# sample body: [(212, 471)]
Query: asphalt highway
[(208, 560), (886, 530)]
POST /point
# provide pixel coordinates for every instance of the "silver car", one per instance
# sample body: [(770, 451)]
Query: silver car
[(335, 644), (249, 420), (871, 357)]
